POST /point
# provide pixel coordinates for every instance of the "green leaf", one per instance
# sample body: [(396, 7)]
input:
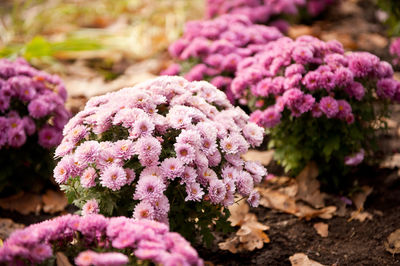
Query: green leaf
[(37, 47)]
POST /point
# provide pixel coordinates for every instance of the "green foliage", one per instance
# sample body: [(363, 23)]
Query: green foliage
[(392, 7), (22, 171), (39, 48), (299, 140), (192, 219)]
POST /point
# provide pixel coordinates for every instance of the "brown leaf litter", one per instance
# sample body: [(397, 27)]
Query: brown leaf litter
[(7, 226), (25, 203), (300, 197), (263, 157), (250, 234), (301, 259), (322, 229), (393, 242)]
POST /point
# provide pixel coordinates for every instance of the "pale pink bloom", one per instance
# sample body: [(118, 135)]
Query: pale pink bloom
[(90, 207)]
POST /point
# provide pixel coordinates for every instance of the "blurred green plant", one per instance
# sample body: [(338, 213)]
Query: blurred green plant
[(40, 48), (392, 8)]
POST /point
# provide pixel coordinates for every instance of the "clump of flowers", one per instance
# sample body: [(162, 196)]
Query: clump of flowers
[(167, 150), (263, 11), (96, 240), (32, 115), (211, 49), (395, 51), (316, 102)]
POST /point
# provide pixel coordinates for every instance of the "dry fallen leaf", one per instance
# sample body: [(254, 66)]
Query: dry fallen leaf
[(322, 229), (264, 157), (23, 203), (345, 38), (372, 41), (7, 226), (282, 196), (250, 234), (62, 260), (393, 243), (309, 186), (301, 259), (300, 30), (277, 200), (238, 213), (307, 212), (359, 198), (54, 201), (391, 161), (361, 216)]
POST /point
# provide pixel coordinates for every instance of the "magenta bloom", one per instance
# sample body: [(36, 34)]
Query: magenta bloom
[(49, 137), (145, 240), (329, 106), (355, 159), (270, 117)]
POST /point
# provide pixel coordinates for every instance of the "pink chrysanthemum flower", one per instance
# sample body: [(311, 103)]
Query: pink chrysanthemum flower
[(88, 178), (216, 191), (90, 207), (254, 198), (185, 152), (138, 143), (172, 168), (229, 145), (244, 183), (143, 210), (148, 150), (113, 177), (194, 192), (149, 188), (124, 149)]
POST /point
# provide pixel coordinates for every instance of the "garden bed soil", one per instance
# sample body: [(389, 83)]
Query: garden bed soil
[(348, 243)]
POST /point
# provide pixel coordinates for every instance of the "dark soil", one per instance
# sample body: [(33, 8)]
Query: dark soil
[(348, 243)]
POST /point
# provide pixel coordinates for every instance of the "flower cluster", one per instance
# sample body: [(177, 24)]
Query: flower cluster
[(211, 50), (117, 241), (307, 88), (395, 51), (32, 113), (262, 11), (166, 146)]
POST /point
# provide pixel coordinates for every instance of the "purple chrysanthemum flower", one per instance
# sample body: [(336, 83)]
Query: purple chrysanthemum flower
[(329, 106)]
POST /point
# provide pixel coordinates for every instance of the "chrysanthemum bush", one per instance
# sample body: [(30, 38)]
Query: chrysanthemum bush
[(167, 150), (97, 240), (317, 102), (395, 51), (32, 115), (267, 11), (211, 49)]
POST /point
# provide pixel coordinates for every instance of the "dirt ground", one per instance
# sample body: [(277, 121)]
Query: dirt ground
[(348, 243)]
